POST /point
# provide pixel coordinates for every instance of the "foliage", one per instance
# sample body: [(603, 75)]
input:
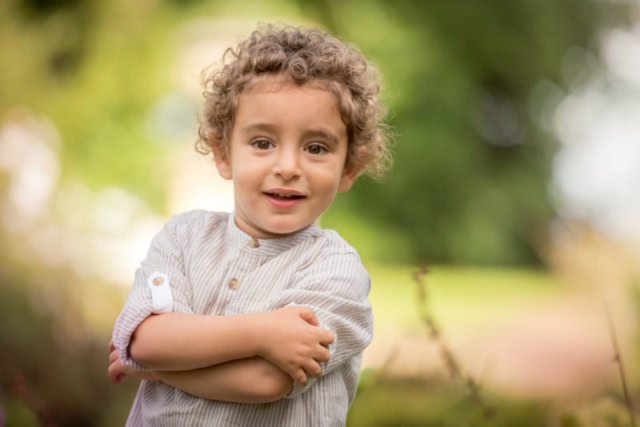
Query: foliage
[(53, 368), (472, 157)]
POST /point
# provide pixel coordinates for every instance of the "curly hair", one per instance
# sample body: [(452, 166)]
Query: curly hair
[(304, 56)]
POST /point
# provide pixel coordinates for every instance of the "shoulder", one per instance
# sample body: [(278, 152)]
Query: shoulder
[(197, 217), (191, 224), (334, 259), (331, 244)]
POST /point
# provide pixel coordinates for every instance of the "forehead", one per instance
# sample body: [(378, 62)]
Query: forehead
[(281, 103)]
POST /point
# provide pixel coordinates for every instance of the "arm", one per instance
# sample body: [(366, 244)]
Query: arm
[(252, 380), (335, 288), (286, 337), (163, 258), (179, 341)]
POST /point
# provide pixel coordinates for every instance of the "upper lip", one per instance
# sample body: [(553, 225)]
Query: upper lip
[(284, 191)]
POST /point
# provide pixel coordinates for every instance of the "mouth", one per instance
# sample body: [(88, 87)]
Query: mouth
[(283, 194), (284, 198)]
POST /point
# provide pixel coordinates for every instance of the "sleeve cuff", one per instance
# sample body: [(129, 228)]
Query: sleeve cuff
[(161, 296), (137, 308)]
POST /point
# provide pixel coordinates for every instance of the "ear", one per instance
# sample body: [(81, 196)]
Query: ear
[(223, 163), (351, 171), (349, 176)]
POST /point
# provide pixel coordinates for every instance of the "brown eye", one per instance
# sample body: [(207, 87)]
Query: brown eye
[(262, 144), (316, 149)]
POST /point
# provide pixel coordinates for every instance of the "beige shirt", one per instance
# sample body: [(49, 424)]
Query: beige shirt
[(215, 268)]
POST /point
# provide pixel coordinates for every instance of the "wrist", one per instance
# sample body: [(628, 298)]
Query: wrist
[(256, 333)]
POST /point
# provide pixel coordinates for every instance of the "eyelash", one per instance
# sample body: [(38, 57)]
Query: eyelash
[(256, 144), (258, 141), (323, 149)]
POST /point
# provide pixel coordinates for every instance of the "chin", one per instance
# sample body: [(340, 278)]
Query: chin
[(285, 228)]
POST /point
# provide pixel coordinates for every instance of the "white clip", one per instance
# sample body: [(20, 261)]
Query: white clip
[(162, 299)]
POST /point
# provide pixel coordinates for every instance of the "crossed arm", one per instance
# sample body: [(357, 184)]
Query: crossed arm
[(262, 353), (245, 358)]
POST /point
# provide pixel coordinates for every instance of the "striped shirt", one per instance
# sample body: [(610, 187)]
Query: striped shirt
[(215, 268)]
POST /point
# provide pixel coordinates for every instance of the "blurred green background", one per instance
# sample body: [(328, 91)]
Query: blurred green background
[(515, 179)]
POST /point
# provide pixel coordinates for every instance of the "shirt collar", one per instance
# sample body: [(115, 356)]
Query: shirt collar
[(269, 247)]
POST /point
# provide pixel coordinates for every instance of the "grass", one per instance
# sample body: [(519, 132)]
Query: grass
[(459, 297), (432, 402)]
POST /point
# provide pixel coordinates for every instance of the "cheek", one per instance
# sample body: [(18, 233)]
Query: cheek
[(329, 179), (244, 181), (245, 169)]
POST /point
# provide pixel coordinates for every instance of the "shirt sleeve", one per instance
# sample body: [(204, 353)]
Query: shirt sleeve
[(160, 286), (336, 289)]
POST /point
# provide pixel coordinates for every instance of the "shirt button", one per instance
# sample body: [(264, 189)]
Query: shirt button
[(158, 281), (254, 243), (233, 284)]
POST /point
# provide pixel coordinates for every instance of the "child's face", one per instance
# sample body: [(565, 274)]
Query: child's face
[(287, 157)]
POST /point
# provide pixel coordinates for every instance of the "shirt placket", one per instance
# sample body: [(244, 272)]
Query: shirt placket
[(246, 260)]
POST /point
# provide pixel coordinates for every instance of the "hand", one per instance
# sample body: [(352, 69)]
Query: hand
[(117, 370), (295, 344)]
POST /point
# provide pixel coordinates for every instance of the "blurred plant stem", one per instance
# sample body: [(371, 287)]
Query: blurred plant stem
[(19, 386), (448, 357), (617, 359)]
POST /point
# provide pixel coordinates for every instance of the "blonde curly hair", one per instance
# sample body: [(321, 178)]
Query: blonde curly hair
[(304, 56)]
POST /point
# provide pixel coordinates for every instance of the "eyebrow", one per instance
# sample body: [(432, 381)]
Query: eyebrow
[(258, 126), (267, 127), (333, 139)]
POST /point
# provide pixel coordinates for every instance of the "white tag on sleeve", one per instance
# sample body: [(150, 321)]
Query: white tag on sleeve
[(161, 296)]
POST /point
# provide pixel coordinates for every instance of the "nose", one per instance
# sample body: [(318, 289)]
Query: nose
[(288, 164)]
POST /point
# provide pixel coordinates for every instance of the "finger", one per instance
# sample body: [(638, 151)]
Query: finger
[(322, 354), (114, 356), (300, 377), (308, 316), (314, 369), (111, 346), (326, 337), (113, 373)]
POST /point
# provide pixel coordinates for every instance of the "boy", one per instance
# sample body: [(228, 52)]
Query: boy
[(260, 317)]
